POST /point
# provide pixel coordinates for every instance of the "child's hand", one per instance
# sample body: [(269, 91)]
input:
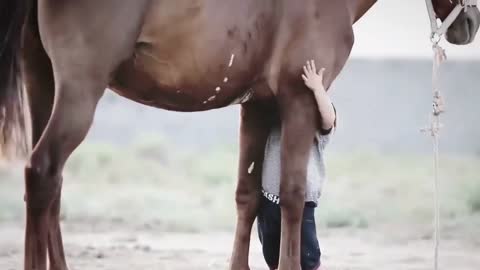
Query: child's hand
[(313, 80)]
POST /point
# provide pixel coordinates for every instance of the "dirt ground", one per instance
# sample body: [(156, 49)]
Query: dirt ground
[(122, 248)]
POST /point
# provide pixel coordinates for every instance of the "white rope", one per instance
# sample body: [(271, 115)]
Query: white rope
[(436, 202), (434, 130), (438, 104)]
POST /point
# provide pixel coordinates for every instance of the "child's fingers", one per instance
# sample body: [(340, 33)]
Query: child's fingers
[(305, 70), (304, 78), (314, 68), (309, 67)]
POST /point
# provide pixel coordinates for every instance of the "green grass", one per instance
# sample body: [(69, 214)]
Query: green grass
[(154, 183)]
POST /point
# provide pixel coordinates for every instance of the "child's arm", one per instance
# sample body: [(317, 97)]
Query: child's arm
[(314, 81)]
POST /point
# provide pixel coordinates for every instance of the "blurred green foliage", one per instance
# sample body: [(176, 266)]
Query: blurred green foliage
[(153, 183)]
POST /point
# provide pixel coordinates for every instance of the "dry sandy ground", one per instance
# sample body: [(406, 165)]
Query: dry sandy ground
[(133, 248)]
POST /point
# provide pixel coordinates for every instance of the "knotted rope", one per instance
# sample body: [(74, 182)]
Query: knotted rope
[(434, 131)]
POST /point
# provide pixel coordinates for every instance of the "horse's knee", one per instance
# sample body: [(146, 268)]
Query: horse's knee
[(42, 184), (292, 200), (247, 200)]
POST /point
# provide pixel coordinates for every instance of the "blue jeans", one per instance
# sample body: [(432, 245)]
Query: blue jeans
[(268, 222)]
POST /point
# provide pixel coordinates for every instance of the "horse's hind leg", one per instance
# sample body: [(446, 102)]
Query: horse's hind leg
[(75, 104), (84, 56), (39, 86), (256, 122), (40, 89)]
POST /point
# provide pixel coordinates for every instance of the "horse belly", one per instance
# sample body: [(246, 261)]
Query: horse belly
[(182, 95), (184, 61)]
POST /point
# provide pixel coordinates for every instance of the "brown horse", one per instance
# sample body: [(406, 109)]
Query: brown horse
[(182, 55)]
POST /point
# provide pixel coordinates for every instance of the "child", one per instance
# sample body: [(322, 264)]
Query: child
[(268, 219)]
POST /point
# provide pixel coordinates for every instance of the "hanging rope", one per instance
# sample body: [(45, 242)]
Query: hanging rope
[(438, 104), (434, 131)]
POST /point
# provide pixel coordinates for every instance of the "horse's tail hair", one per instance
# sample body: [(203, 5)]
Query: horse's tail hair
[(13, 133)]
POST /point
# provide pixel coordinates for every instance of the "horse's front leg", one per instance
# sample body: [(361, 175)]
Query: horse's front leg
[(256, 121), (299, 115)]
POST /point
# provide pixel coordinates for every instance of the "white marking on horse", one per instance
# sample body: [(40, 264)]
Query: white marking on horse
[(250, 169), (225, 80), (211, 98), (218, 89), (231, 60)]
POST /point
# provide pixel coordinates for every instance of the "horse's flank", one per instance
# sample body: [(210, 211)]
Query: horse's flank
[(189, 61), (198, 55)]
